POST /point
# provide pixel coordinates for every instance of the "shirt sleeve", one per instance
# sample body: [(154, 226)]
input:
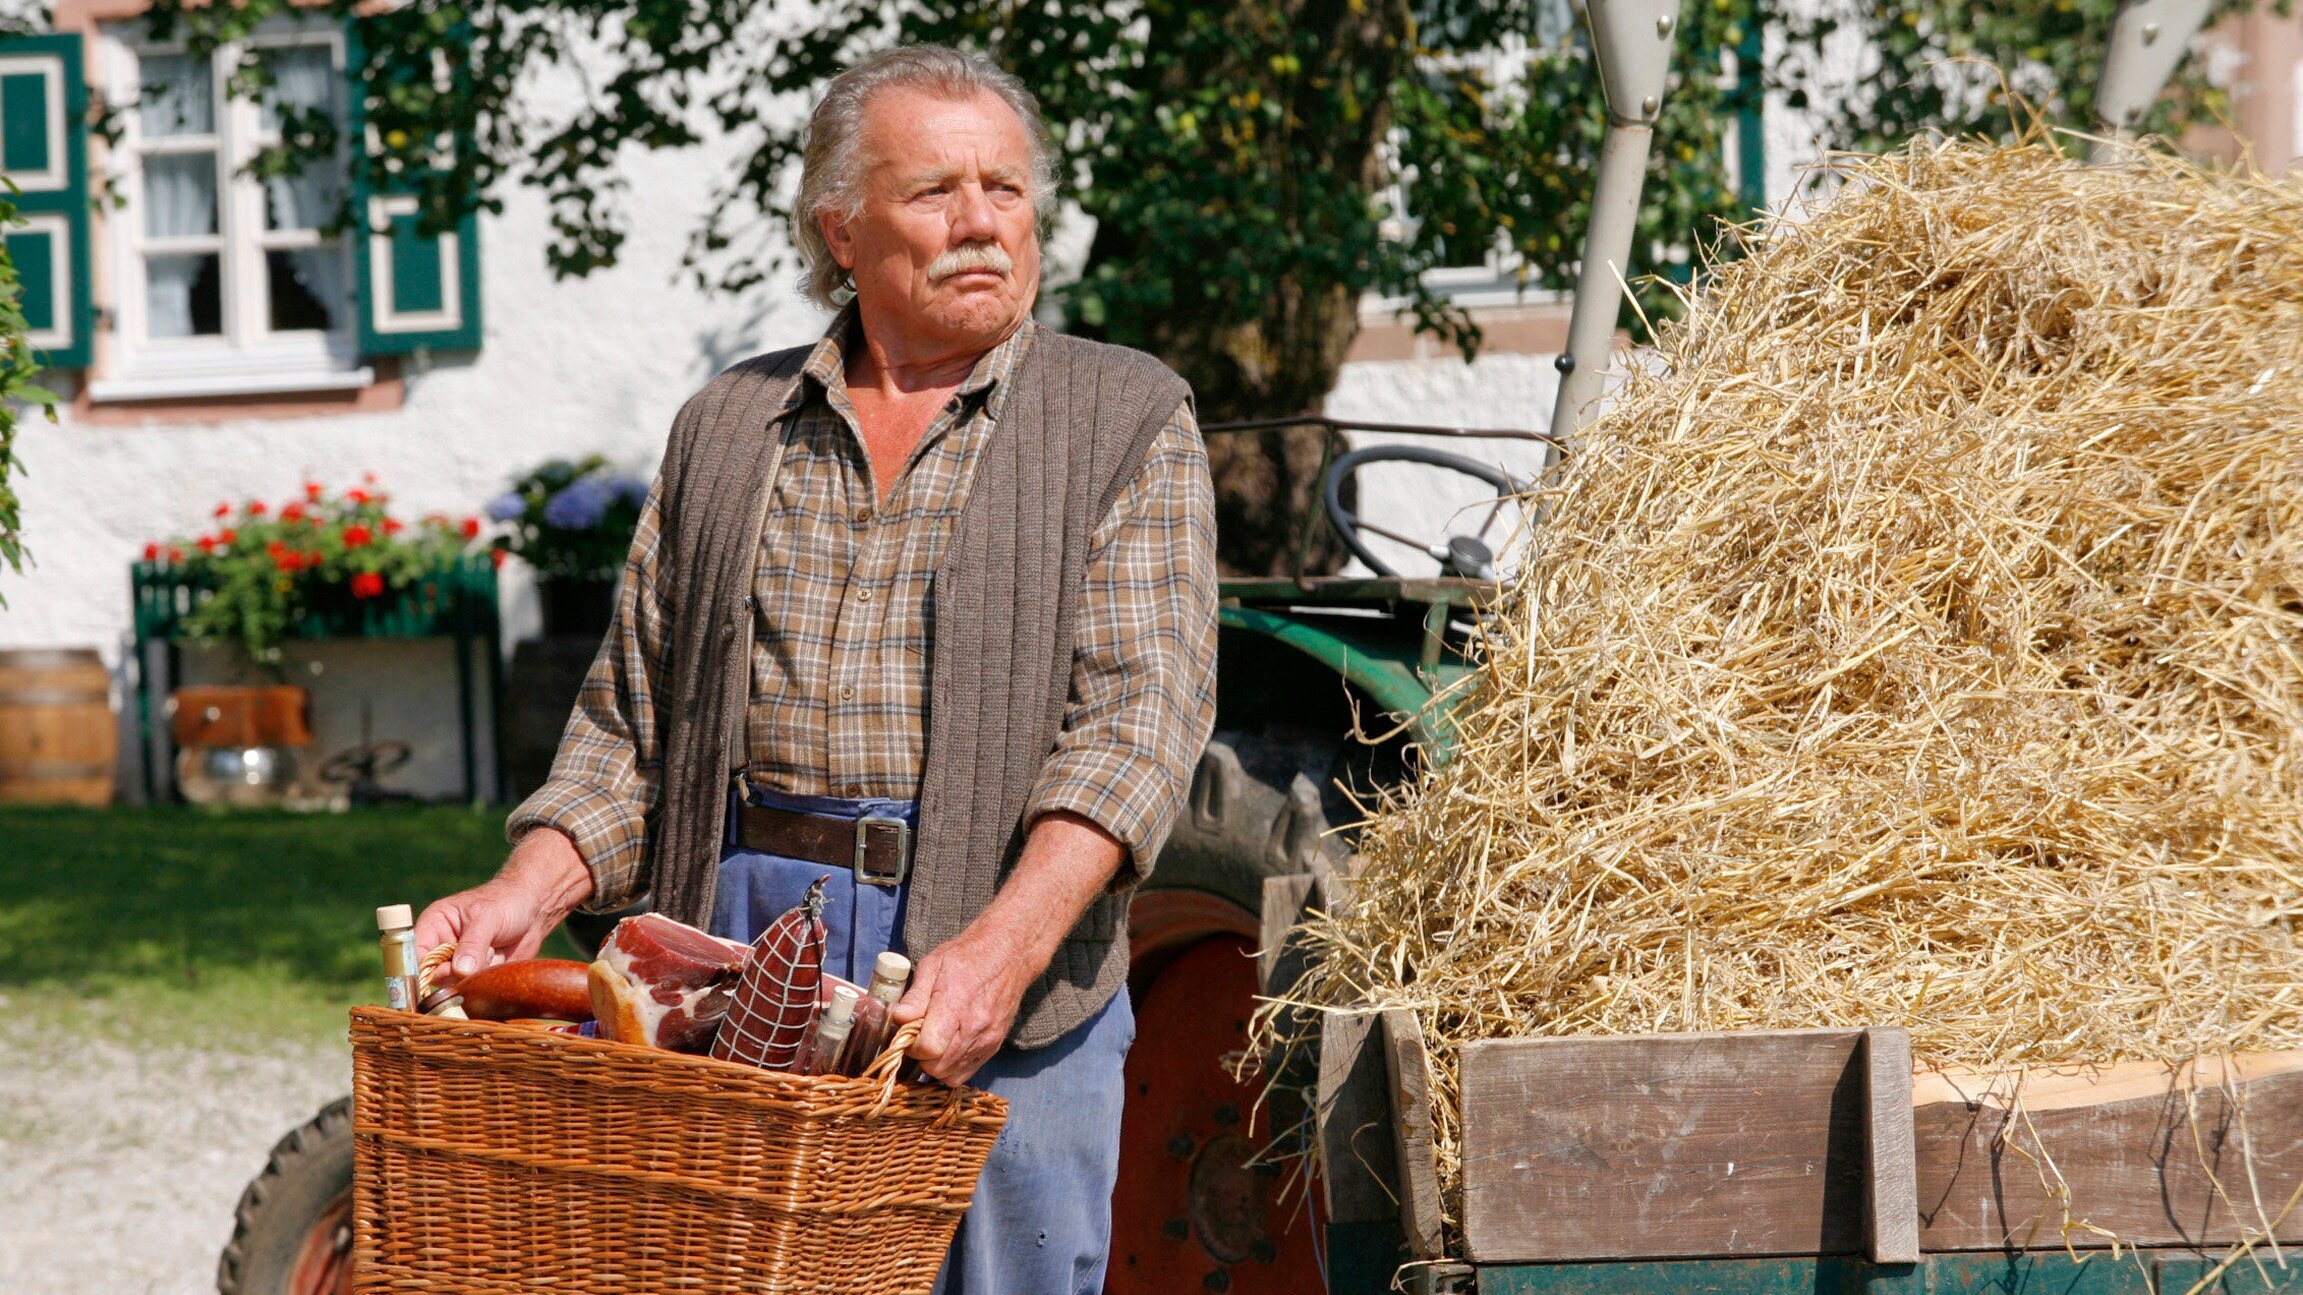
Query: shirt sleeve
[(1143, 657), (604, 778)]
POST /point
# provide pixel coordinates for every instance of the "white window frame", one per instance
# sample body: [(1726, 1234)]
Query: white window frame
[(248, 357)]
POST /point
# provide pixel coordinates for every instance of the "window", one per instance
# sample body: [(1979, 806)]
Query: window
[(225, 283)]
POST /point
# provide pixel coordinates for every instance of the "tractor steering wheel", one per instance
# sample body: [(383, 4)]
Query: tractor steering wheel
[(1459, 555)]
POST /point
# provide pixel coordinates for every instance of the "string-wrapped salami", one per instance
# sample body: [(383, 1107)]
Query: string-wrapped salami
[(776, 1003)]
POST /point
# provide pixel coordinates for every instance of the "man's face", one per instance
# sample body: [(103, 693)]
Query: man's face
[(946, 248)]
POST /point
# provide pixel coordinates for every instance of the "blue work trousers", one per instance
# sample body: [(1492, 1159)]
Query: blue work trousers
[(1041, 1220)]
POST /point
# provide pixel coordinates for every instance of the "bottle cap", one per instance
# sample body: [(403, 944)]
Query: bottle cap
[(891, 965), (843, 1008), (394, 915)]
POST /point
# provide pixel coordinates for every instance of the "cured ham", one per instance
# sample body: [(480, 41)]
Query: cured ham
[(663, 983)]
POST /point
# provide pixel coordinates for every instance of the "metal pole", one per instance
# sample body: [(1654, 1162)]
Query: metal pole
[(2148, 41), (1631, 41)]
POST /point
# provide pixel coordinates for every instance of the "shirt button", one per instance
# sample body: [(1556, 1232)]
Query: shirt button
[(863, 514), (848, 694), (855, 789), (864, 596)]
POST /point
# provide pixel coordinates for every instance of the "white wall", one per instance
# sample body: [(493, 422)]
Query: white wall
[(1503, 392)]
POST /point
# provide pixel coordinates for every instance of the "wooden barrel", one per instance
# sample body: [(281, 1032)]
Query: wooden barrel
[(58, 743)]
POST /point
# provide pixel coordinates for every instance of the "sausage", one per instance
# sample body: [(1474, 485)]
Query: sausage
[(547, 987), (776, 1004)]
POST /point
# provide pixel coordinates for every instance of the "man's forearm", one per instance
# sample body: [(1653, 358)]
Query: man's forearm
[(1067, 863), (508, 916), (547, 863)]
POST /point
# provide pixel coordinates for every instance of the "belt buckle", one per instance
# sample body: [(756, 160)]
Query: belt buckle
[(903, 869)]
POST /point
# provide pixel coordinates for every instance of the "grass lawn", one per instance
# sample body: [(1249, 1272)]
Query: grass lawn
[(183, 924)]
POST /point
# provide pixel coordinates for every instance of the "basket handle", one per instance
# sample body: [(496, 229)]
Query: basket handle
[(890, 1063), (429, 968), (885, 1066)]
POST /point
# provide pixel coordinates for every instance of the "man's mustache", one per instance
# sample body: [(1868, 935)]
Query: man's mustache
[(971, 256)]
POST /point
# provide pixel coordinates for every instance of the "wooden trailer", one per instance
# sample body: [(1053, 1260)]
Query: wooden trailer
[(1795, 1162)]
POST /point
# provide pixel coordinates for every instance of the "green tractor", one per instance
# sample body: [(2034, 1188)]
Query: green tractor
[(1307, 667)]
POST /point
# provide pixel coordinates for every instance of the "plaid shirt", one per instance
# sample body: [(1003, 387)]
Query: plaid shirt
[(839, 665)]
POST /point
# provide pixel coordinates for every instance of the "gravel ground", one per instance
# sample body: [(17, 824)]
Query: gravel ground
[(120, 1164)]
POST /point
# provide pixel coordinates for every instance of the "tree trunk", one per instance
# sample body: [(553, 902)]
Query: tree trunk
[(1278, 357)]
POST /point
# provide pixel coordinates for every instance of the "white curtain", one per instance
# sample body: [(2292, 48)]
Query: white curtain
[(179, 195), (168, 283), (179, 202), (303, 78), (178, 96)]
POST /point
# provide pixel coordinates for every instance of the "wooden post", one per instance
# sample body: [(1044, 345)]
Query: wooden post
[(1891, 1184), (1419, 1205)]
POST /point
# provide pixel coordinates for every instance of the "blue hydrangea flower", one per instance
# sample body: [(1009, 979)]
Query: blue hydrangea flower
[(506, 507), (632, 490), (581, 505)]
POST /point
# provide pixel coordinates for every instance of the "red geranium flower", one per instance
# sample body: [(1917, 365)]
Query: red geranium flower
[(357, 496), (256, 508), (223, 510), (227, 535), (356, 536), (498, 557), (313, 491), (207, 544), (291, 512), (151, 553), (471, 528), (175, 555), (367, 584), (392, 526)]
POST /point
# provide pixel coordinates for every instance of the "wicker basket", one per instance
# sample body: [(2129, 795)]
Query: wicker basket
[(493, 1159)]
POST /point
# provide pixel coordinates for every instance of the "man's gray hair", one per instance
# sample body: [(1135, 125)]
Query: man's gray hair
[(832, 170)]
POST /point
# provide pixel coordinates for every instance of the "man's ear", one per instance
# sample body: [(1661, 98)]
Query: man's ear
[(838, 237)]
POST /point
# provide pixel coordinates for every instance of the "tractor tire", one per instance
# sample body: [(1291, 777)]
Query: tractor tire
[(1199, 1206), (292, 1232), (1260, 805)]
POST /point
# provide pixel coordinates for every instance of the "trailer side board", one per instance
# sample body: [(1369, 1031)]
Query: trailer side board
[(1817, 1142), (2186, 1165), (2050, 1272), (1665, 1146)]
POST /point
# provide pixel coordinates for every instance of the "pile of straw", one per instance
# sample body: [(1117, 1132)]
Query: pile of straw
[(1918, 641)]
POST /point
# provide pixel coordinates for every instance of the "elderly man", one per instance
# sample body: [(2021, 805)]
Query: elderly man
[(930, 603)]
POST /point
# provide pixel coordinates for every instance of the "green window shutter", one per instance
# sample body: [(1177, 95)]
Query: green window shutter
[(416, 291), (44, 152)]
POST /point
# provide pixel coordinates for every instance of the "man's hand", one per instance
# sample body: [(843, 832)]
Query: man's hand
[(506, 919), (968, 990)]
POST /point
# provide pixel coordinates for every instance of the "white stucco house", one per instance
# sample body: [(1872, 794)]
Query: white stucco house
[(214, 345)]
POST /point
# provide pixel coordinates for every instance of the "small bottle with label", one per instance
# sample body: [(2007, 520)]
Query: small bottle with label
[(398, 924), (891, 972), (820, 1055)]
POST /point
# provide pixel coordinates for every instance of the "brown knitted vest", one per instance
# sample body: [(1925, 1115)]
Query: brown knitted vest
[(1072, 433)]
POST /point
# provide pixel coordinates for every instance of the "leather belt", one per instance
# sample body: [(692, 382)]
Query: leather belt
[(877, 846)]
